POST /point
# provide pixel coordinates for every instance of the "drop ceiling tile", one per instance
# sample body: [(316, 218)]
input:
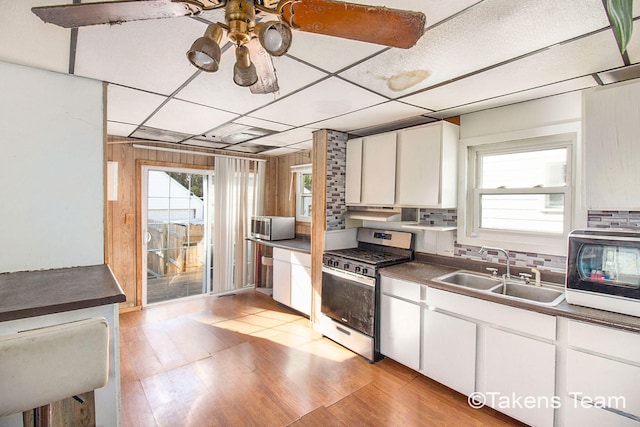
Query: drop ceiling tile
[(330, 53), (382, 113), (206, 144), (527, 95), (561, 62), (329, 98), (120, 129), (218, 90), (280, 152), (264, 124), (289, 137), (27, 40), (488, 33), (130, 105), (149, 55), (305, 145), (185, 117)]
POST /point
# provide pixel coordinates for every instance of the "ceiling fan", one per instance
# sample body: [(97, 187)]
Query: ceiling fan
[(256, 40)]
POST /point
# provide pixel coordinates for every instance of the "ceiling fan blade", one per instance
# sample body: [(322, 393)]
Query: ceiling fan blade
[(373, 24), (112, 12), (267, 81)]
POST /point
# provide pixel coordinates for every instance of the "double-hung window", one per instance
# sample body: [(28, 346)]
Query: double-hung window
[(303, 181), (519, 194)]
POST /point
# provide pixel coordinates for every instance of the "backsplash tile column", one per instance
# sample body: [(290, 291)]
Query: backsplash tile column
[(336, 173)]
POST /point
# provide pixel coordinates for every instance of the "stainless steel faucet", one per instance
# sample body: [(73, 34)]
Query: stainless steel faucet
[(506, 253)]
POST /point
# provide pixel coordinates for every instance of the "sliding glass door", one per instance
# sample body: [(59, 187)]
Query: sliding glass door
[(174, 237)]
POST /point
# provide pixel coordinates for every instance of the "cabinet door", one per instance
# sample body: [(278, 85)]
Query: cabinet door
[(449, 351), (418, 176), (353, 175), (379, 169), (301, 288), (516, 367), (400, 331), (282, 281)]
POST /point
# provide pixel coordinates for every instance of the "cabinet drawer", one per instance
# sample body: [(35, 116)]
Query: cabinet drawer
[(604, 381), (582, 415), (612, 342), (401, 288), (517, 319)]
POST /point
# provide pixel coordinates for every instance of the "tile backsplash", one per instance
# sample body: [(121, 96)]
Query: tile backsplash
[(336, 175), (614, 219), (595, 218)]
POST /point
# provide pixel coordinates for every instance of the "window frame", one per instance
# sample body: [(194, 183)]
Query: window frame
[(469, 233), (298, 172)]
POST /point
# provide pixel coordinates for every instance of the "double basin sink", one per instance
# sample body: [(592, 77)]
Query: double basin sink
[(509, 289)]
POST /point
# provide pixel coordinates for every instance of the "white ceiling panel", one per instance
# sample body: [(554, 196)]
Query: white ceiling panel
[(26, 40), (382, 113), (185, 117), (130, 105), (218, 89), (527, 95), (489, 33), (120, 129), (264, 124), (279, 152), (305, 145), (330, 53), (149, 55), (561, 62), (329, 98), (289, 137)]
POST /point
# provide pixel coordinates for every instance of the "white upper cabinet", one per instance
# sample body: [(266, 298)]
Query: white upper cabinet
[(427, 166), (415, 167), (611, 129), (379, 169), (353, 179)]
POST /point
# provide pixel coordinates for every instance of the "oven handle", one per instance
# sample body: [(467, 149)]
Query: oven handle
[(347, 275)]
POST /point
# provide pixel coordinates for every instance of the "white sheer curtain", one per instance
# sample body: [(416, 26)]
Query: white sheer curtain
[(238, 195)]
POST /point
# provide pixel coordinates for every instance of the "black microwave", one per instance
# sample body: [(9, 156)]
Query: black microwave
[(603, 270), (273, 227)]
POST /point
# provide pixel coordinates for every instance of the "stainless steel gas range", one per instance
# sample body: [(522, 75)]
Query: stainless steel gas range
[(350, 294)]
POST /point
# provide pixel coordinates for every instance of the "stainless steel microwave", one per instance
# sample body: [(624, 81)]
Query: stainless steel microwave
[(273, 227), (603, 270)]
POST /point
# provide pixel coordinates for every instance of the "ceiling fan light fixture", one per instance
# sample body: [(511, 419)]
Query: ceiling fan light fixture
[(205, 52), (274, 36), (244, 72)]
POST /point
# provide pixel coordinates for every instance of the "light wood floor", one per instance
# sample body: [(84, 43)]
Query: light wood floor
[(243, 360)]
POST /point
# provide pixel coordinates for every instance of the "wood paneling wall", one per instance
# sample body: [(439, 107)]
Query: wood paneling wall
[(122, 219), (278, 183), (318, 218)]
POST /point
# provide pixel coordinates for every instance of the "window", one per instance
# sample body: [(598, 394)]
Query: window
[(303, 180), (519, 194)]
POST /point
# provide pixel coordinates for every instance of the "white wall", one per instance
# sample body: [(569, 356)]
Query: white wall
[(51, 170)]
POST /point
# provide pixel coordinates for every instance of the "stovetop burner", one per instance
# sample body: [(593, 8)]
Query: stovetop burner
[(367, 255)]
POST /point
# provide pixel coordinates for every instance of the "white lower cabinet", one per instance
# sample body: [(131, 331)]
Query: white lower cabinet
[(603, 376), (449, 350), (292, 279), (400, 331), (519, 376), (400, 321)]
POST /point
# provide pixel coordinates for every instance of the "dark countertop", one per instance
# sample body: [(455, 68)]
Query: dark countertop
[(37, 293), (299, 244), (423, 272)]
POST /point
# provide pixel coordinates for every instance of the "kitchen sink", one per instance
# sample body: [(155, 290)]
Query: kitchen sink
[(469, 280), (539, 295), (530, 293)]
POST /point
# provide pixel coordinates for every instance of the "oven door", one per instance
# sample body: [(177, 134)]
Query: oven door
[(349, 298)]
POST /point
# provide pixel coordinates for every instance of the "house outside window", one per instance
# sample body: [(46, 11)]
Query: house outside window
[(519, 194), (303, 182)]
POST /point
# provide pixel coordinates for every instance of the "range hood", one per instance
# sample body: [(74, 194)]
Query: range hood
[(386, 214)]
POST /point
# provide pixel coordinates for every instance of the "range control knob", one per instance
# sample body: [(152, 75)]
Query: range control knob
[(346, 266), (358, 269), (365, 271)]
